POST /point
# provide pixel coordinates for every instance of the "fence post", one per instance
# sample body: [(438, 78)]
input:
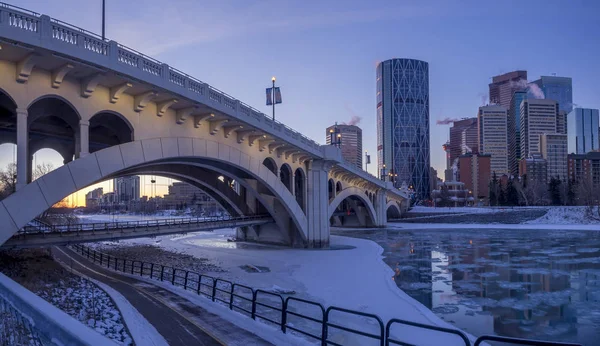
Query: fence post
[(186, 280), (254, 304), (162, 272), (199, 284), (284, 315), (132, 262), (141, 268), (116, 266), (214, 289), (173, 271), (231, 297), (101, 259), (108, 263), (151, 270), (324, 331)]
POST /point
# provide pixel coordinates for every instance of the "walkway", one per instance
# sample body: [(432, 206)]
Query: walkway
[(178, 320)]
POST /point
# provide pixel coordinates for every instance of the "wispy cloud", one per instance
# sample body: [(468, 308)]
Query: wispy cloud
[(159, 28)]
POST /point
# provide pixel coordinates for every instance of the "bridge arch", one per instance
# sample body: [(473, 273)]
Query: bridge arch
[(393, 210), (52, 99), (285, 174), (331, 188), (338, 187), (106, 163), (271, 165), (353, 192), (300, 188), (108, 128), (220, 195)]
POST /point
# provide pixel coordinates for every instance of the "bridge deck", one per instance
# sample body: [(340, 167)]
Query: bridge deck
[(41, 235)]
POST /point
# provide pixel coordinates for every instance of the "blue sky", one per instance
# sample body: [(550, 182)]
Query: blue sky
[(324, 53)]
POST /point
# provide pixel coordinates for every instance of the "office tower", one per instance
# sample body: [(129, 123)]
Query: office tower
[(538, 116), (492, 123), (449, 174), (463, 138), (514, 131), (350, 141), (534, 169), (403, 122), (184, 195), (554, 151), (503, 87), (475, 172), (582, 130), (561, 122), (127, 189), (559, 89)]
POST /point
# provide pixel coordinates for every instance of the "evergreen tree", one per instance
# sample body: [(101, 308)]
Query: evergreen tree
[(554, 190), (493, 185), (502, 199), (512, 195), (571, 193)]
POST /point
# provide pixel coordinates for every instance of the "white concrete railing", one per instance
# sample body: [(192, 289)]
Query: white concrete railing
[(30, 320), (33, 28)]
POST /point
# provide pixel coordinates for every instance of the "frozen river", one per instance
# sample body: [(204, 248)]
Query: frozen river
[(524, 283)]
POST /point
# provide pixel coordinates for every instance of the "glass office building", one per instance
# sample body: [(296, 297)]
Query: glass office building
[(559, 89), (582, 130), (403, 123)]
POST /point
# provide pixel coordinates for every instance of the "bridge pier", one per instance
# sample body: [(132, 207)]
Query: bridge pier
[(22, 148), (318, 203), (380, 208)]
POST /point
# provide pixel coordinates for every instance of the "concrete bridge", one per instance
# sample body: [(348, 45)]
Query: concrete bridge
[(111, 111), (36, 236)]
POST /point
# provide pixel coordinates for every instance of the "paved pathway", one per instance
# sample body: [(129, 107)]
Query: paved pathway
[(178, 320)]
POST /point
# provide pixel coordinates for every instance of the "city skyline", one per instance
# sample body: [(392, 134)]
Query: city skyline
[(351, 94)]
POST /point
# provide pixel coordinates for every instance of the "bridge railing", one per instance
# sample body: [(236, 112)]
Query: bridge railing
[(27, 319), (141, 224), (78, 40), (290, 314)]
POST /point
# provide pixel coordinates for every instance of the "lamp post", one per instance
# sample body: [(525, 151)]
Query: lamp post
[(273, 80), (383, 173), (367, 159), (103, 19)]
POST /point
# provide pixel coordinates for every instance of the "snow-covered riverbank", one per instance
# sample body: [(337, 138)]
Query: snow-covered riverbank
[(353, 277)]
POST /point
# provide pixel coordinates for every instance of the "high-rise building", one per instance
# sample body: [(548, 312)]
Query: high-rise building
[(93, 198), (561, 122), (127, 189), (585, 168), (534, 169), (449, 174), (554, 151), (503, 87), (538, 116), (403, 122), (492, 123), (514, 131), (350, 141), (463, 138), (475, 172), (559, 89), (582, 129)]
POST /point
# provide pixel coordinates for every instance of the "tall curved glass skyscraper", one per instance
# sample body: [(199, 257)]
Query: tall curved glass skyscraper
[(403, 123)]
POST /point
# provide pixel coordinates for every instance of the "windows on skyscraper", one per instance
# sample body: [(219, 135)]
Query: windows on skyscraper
[(403, 122)]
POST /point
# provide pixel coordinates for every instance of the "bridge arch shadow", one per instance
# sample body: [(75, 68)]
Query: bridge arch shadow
[(348, 209), (108, 128), (393, 210), (178, 155)]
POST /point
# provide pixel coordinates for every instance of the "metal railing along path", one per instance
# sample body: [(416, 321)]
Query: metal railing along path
[(276, 309)]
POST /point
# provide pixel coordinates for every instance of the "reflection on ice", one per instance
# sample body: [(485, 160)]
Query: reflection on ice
[(521, 283)]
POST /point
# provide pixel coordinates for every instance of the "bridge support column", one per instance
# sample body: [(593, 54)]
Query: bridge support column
[(317, 211), (22, 148), (84, 138), (380, 209)]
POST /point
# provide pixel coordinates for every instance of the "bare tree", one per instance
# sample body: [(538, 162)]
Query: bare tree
[(41, 169), (8, 180), (518, 185), (537, 192)]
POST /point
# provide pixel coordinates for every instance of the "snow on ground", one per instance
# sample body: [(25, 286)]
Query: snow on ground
[(565, 216), (80, 298), (141, 330), (528, 226), (354, 278)]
